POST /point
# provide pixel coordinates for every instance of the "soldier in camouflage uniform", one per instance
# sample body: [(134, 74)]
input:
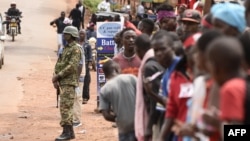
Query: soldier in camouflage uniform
[(66, 79)]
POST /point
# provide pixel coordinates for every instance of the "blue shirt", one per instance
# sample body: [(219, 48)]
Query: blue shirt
[(164, 82)]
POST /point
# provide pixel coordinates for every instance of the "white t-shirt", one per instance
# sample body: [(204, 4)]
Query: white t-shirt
[(81, 8), (104, 6), (140, 9)]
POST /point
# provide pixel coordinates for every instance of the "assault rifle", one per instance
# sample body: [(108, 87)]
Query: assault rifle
[(57, 96)]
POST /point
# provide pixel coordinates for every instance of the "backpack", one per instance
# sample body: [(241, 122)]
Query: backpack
[(247, 101)]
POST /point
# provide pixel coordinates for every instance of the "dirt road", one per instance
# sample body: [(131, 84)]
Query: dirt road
[(27, 97)]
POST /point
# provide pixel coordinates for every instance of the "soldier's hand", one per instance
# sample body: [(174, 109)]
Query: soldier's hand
[(55, 78), (56, 85)]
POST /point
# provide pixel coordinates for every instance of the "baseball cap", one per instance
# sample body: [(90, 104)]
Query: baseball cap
[(231, 14), (191, 15)]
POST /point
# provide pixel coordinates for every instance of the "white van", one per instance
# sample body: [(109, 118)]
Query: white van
[(2, 38)]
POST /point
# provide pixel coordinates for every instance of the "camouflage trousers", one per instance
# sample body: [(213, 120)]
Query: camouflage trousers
[(67, 95)]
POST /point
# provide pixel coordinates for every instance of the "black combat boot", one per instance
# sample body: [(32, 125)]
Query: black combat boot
[(66, 134), (72, 134)]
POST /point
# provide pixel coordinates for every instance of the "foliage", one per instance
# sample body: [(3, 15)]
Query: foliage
[(91, 5), (116, 6)]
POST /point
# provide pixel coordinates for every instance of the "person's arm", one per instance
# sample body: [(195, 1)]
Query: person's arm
[(231, 109), (81, 63), (70, 14), (108, 116), (8, 12), (19, 12), (166, 127), (150, 68), (104, 105), (53, 22), (148, 88)]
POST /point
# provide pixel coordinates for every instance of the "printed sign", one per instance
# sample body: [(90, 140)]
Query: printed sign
[(108, 29), (105, 47)]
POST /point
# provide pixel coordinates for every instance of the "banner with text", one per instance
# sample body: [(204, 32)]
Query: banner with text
[(105, 47)]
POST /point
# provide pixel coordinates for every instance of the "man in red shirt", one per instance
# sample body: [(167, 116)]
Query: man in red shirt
[(128, 60), (180, 89)]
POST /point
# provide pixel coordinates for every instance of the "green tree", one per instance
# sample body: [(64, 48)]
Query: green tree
[(91, 5)]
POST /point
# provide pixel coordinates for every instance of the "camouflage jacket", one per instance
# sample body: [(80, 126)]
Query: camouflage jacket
[(67, 65)]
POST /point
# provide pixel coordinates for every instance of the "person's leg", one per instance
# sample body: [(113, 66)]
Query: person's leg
[(7, 27), (19, 27), (77, 114), (59, 41), (82, 22), (78, 25), (87, 79), (67, 96)]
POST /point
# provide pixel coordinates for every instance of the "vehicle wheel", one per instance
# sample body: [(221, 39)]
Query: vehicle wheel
[(13, 35)]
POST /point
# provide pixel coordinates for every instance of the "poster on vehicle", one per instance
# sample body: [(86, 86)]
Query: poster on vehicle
[(105, 47)]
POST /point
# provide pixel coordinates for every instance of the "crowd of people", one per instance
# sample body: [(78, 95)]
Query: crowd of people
[(191, 75), (181, 77)]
